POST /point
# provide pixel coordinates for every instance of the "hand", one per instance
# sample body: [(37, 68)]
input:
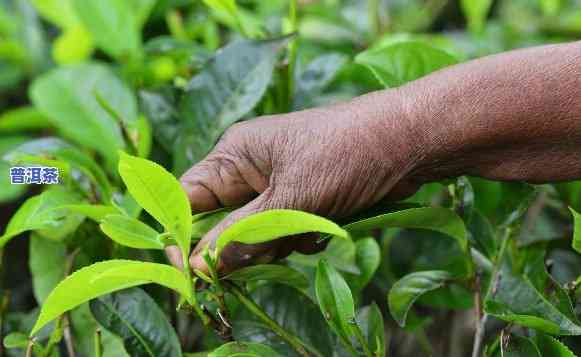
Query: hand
[(331, 161)]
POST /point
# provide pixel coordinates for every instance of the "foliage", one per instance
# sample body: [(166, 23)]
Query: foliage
[(123, 96)]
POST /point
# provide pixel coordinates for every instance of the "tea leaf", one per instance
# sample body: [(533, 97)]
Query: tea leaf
[(103, 278), (23, 119), (292, 310), (95, 212), (161, 195), (275, 273), (72, 107), (273, 224), (577, 230), (368, 257), (372, 326), (131, 232), (228, 87), (402, 62), (519, 347), (244, 349), (335, 300), (115, 25), (202, 223), (38, 212), (408, 289), (551, 347), (16, 340), (432, 218), (135, 317), (46, 265)]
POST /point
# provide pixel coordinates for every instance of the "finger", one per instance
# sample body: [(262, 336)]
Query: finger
[(402, 190), (174, 255), (216, 182), (235, 255)]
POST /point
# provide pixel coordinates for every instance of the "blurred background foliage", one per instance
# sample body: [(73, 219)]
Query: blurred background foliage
[(145, 52)]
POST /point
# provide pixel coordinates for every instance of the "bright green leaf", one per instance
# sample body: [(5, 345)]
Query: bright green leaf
[(74, 45), (403, 62), (135, 317), (202, 223), (130, 232), (95, 212), (59, 12), (23, 119), (103, 278), (408, 289), (161, 195), (273, 224), (335, 300), (16, 340), (476, 12), (368, 258), (271, 272)]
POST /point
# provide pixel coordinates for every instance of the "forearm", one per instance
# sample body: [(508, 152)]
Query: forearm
[(513, 116)]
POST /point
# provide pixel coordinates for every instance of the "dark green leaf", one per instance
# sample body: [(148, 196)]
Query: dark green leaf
[(370, 320), (16, 340), (368, 258), (335, 300), (551, 347), (408, 289), (244, 349), (577, 231), (516, 346), (135, 317), (230, 85), (274, 273)]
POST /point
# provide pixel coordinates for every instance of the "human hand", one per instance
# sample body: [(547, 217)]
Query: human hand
[(329, 161)]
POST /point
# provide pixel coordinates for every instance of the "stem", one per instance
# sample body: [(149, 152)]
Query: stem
[(29, 348), (288, 337), (3, 308), (69, 337), (361, 340), (98, 344), (373, 18), (424, 341)]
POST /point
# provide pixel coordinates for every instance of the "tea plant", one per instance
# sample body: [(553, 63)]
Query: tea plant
[(465, 266)]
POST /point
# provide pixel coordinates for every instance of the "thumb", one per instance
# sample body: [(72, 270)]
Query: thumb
[(237, 255)]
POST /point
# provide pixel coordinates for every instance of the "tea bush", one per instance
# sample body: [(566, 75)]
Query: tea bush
[(122, 96)]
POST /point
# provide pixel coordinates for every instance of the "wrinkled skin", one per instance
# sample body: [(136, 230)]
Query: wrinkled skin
[(514, 116)]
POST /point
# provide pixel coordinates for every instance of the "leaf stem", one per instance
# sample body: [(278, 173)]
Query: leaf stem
[(287, 336), (373, 18), (293, 52), (98, 344), (29, 348), (5, 298)]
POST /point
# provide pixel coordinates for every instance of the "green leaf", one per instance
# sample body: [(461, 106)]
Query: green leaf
[(576, 230), (228, 87), (16, 340), (38, 212), (408, 289), (23, 119), (59, 12), (273, 224), (368, 257), (372, 326), (95, 212), (135, 317), (271, 272), (244, 349), (402, 62), (74, 45), (71, 105), (84, 328), (340, 253), (47, 265), (131, 232), (115, 25), (222, 5), (432, 218), (161, 195), (103, 278), (516, 346), (202, 223), (551, 347), (517, 300), (292, 310), (335, 300), (476, 12)]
